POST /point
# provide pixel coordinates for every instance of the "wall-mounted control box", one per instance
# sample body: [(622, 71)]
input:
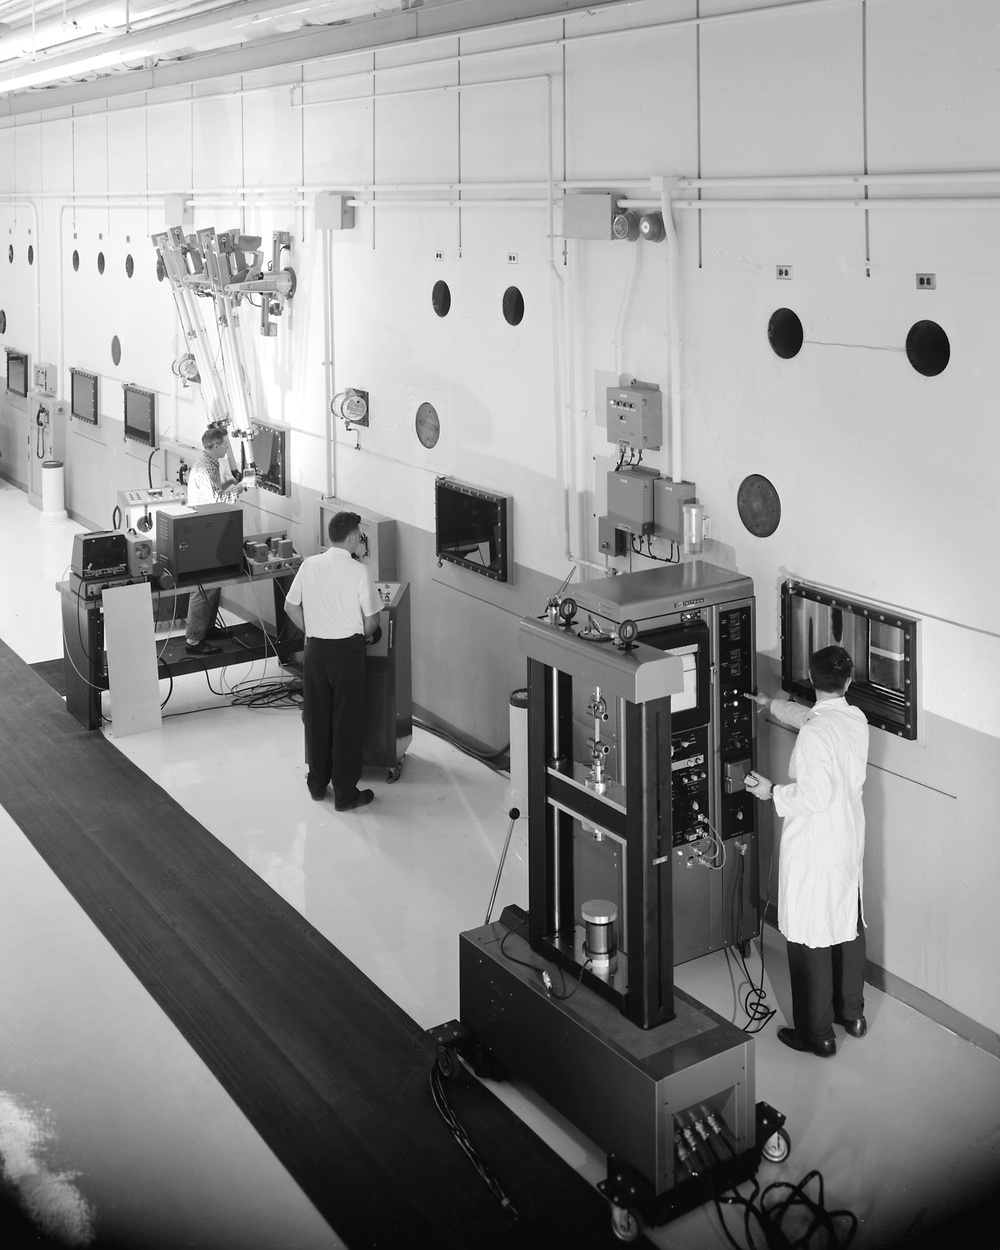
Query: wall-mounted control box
[(669, 499), (588, 215), (333, 212), (634, 415), (630, 498)]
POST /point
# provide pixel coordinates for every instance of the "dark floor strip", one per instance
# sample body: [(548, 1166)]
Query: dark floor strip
[(51, 672), (331, 1073)]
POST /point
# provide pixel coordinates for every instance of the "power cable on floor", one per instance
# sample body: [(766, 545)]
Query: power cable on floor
[(443, 1067)]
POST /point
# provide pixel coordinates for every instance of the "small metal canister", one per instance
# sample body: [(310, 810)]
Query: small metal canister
[(600, 917)]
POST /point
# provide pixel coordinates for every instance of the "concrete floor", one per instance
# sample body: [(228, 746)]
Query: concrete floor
[(112, 1130)]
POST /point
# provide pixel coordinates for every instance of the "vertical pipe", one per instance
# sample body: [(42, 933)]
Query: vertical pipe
[(665, 186)]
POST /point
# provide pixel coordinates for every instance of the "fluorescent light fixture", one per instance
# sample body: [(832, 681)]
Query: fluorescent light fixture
[(51, 71)]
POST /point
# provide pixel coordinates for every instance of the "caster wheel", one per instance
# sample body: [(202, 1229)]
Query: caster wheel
[(392, 774), (778, 1147), (624, 1224)]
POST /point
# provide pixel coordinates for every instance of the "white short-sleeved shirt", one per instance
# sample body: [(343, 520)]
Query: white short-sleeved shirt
[(336, 592)]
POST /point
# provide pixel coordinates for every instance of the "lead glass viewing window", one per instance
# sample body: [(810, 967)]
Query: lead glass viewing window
[(881, 642)]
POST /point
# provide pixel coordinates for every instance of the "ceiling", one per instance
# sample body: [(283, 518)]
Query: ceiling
[(50, 44)]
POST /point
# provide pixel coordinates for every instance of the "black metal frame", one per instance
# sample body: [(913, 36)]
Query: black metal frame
[(645, 826)]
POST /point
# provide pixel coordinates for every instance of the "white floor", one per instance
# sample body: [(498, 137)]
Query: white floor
[(113, 1129)]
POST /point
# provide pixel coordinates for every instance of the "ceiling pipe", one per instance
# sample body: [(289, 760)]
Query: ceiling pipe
[(947, 201), (174, 34)]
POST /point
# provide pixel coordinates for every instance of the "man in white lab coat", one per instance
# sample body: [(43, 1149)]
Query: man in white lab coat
[(820, 858)]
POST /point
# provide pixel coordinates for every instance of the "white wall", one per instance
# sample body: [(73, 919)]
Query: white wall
[(887, 479)]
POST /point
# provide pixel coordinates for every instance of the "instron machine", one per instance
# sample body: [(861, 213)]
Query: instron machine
[(642, 853)]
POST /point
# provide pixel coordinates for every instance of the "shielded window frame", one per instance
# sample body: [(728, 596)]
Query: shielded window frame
[(889, 704), (274, 477)]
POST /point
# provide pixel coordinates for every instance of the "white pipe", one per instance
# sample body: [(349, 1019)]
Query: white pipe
[(370, 97), (26, 201), (674, 270), (627, 293), (362, 201), (329, 379), (951, 201), (845, 180)]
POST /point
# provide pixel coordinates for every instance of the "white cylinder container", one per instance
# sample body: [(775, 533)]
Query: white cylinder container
[(53, 493)]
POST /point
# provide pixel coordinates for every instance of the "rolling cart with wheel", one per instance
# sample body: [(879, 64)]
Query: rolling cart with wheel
[(635, 1205)]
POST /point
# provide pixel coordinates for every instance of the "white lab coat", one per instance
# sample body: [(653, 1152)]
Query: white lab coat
[(823, 835)]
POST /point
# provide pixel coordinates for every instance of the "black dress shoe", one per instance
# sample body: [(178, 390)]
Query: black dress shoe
[(318, 795), (797, 1042), (361, 799), (854, 1028), (201, 648)]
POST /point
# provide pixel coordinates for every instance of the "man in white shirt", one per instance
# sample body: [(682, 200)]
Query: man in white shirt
[(820, 860), (204, 485), (333, 600)]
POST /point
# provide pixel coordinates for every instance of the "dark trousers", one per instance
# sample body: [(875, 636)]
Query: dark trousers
[(827, 982), (202, 607), (333, 713)]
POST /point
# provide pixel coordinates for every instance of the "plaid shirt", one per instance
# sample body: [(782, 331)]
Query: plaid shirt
[(205, 483)]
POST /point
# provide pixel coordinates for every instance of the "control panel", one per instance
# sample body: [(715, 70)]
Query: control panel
[(735, 721), (390, 594), (689, 783)]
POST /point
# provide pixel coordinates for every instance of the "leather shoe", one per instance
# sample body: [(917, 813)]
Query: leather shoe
[(824, 1049), (361, 799), (318, 795), (201, 648), (854, 1028)]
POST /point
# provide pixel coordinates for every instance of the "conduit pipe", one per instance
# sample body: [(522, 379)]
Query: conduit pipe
[(623, 310), (674, 270), (370, 97), (915, 202), (29, 202), (363, 201)]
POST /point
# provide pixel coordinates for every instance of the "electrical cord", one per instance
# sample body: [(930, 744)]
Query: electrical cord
[(715, 863), (754, 999), (695, 1141), (483, 756), (546, 975), (438, 1074)]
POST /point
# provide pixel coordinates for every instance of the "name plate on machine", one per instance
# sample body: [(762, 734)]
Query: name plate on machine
[(638, 674)]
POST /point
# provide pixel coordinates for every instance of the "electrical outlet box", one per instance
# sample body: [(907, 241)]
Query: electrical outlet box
[(612, 540), (333, 211), (634, 415), (588, 215), (669, 499), (46, 379), (630, 498)]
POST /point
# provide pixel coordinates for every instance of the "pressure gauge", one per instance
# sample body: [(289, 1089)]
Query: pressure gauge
[(428, 425)]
